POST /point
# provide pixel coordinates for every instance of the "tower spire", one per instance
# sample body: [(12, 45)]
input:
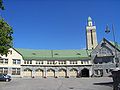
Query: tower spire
[(90, 23), (91, 38)]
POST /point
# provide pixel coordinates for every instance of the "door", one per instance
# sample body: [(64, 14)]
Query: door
[(39, 73), (73, 73), (62, 73), (50, 73), (27, 73)]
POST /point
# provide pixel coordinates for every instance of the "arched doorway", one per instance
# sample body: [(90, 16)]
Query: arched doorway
[(61, 72), (50, 73), (85, 72), (39, 73), (73, 72), (27, 72)]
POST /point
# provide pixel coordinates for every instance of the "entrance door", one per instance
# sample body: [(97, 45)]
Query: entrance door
[(85, 72), (62, 73), (73, 72), (27, 72), (39, 73), (50, 73)]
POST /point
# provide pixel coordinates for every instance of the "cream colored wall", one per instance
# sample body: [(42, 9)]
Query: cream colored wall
[(10, 57), (57, 63), (89, 44), (14, 55)]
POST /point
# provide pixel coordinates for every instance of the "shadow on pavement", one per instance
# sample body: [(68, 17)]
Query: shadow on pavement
[(104, 83)]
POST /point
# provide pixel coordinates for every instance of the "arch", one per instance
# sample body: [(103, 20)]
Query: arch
[(62, 72), (85, 72), (27, 72), (39, 69), (39, 72), (62, 69), (51, 69), (51, 72), (73, 72), (73, 69), (27, 69)]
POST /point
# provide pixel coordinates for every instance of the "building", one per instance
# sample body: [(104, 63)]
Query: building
[(103, 58), (91, 38), (11, 64), (96, 60)]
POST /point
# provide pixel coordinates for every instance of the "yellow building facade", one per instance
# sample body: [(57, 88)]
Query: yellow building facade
[(39, 63)]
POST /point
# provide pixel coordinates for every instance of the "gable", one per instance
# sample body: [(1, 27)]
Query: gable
[(104, 48), (105, 52), (15, 53)]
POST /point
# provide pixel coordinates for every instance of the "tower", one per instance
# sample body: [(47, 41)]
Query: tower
[(91, 38)]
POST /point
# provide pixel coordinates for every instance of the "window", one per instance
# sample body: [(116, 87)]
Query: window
[(62, 62), (39, 62), (87, 62), (1, 70), (81, 62), (96, 72), (4, 70), (28, 62), (73, 62), (3, 61), (24, 62), (84, 61), (16, 61), (15, 71), (6, 61), (105, 51), (107, 71), (50, 62), (11, 52)]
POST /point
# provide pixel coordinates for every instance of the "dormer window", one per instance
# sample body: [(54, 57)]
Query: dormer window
[(33, 53), (78, 54), (56, 54), (103, 44)]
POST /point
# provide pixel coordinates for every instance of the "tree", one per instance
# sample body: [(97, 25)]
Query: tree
[(5, 37), (5, 34), (1, 5)]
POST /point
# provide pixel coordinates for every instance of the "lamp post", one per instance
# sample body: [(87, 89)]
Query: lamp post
[(107, 30)]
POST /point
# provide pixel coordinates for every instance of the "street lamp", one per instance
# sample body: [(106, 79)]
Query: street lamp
[(107, 30)]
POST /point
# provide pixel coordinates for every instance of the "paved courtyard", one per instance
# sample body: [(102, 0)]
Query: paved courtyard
[(103, 83)]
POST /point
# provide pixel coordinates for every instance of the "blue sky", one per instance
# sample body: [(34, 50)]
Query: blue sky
[(59, 24)]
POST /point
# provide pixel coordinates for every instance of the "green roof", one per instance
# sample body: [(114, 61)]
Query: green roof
[(117, 45), (29, 54), (89, 18)]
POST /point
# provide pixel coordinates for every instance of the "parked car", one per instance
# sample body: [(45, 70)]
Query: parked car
[(5, 77)]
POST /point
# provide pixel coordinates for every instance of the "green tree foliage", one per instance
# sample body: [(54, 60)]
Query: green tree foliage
[(5, 34), (1, 5), (5, 37)]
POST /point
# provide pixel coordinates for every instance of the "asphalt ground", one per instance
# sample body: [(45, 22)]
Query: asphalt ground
[(102, 83)]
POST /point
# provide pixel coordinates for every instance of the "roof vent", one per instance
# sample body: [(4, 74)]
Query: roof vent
[(78, 54), (56, 54), (33, 53)]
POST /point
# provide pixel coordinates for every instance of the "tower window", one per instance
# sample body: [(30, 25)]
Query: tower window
[(91, 37)]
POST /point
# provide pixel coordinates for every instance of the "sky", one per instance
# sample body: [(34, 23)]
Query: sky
[(60, 24)]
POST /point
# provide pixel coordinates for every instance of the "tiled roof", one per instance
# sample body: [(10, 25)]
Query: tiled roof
[(54, 54)]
